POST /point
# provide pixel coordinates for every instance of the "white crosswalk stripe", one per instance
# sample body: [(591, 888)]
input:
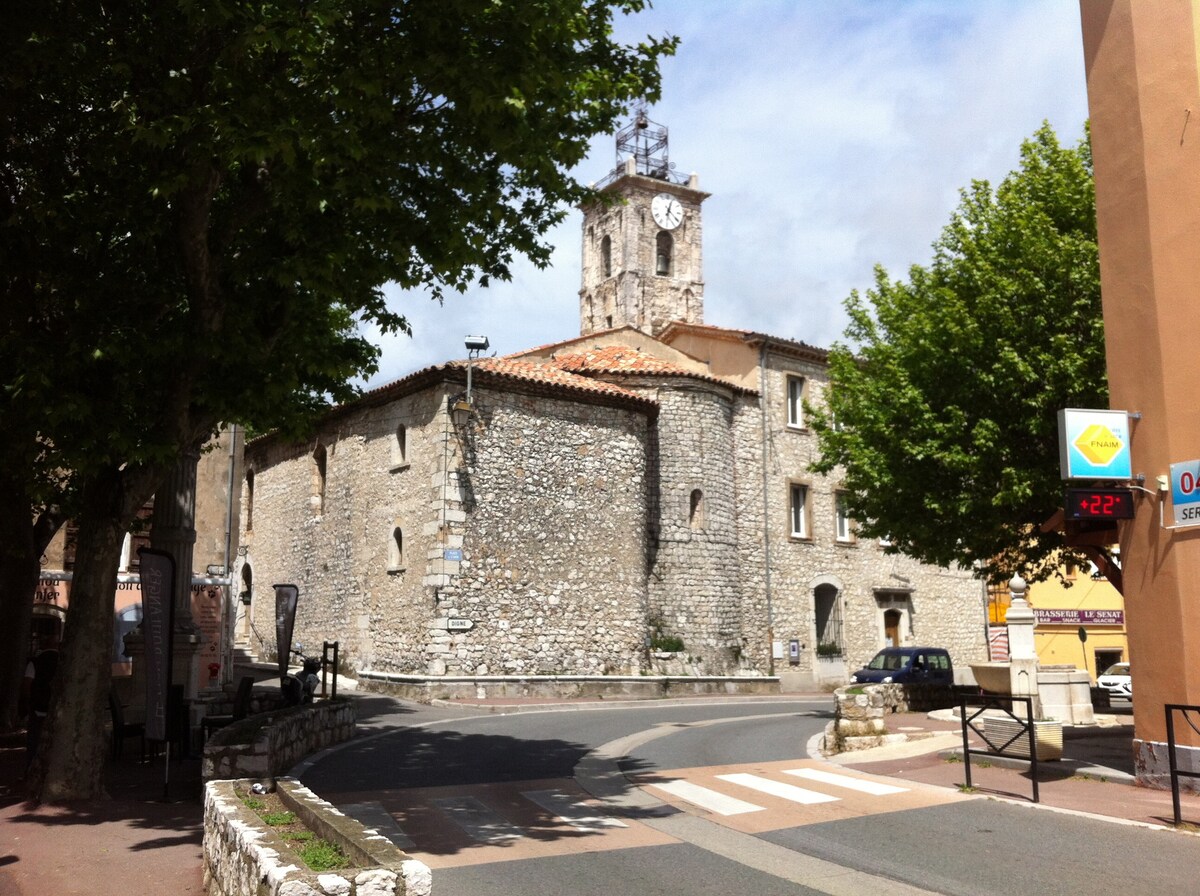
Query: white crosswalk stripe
[(709, 800), (779, 789), (481, 823), (875, 788), (570, 810)]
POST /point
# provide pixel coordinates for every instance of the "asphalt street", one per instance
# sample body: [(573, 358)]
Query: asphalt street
[(707, 798)]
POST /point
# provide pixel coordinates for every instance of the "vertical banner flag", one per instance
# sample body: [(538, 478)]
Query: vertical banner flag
[(285, 620), (158, 604)]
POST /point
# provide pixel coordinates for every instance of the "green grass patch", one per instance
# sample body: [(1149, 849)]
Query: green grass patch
[(320, 855), (298, 835), (278, 819)]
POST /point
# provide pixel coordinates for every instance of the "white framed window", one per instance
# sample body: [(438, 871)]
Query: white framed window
[(798, 511), (795, 402), (843, 528)]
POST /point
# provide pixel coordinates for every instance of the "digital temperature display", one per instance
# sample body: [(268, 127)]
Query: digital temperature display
[(1099, 504)]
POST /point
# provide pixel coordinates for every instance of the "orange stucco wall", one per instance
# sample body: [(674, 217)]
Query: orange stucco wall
[(1144, 99)]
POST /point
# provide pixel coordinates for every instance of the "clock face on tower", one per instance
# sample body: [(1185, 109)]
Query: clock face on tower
[(667, 211)]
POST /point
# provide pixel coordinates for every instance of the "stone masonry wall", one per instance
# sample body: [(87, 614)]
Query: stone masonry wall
[(939, 606), (525, 517), (553, 498), (694, 578), (355, 587)]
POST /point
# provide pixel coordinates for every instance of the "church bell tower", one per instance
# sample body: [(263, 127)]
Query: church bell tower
[(642, 253)]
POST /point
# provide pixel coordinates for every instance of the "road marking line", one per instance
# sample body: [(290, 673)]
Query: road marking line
[(481, 823), (710, 800), (872, 787), (776, 788), (571, 811)]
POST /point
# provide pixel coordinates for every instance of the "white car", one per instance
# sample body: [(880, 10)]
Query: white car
[(1116, 681)]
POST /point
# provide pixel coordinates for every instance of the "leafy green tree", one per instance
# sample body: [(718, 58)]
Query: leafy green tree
[(200, 204), (942, 404)]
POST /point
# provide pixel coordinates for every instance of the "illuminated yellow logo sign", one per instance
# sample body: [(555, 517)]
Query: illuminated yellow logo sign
[(1099, 444)]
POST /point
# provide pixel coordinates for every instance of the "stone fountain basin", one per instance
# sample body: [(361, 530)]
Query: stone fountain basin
[(995, 678)]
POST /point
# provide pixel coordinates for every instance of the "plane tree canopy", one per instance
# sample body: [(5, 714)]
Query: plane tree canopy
[(942, 407), (199, 206)]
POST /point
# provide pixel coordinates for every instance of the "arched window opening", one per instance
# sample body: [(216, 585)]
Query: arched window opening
[(396, 550), (696, 510), (606, 256), (319, 471), (663, 254), (828, 607)]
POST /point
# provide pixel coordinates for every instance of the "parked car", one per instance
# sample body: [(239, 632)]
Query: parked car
[(1116, 681), (907, 665)]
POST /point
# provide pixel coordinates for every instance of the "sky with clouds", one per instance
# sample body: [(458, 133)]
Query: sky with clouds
[(833, 136)]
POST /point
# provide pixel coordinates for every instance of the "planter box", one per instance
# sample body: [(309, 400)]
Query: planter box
[(1049, 738)]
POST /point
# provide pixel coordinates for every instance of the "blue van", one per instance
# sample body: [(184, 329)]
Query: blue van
[(907, 665)]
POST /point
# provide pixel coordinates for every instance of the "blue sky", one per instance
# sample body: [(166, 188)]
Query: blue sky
[(833, 136)]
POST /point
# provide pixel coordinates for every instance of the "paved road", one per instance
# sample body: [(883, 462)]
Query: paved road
[(708, 798)]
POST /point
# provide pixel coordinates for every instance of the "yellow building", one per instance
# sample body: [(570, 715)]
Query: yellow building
[(1080, 622)]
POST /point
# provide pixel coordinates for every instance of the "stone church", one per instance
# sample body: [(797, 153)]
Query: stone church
[(633, 501)]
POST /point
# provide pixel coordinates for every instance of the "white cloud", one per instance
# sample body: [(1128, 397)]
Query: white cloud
[(832, 135)]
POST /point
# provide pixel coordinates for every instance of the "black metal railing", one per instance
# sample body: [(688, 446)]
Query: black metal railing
[(1025, 728), (329, 660), (1173, 759)]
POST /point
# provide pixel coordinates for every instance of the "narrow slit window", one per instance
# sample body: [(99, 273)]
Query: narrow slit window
[(400, 446), (696, 510), (396, 550), (319, 473)]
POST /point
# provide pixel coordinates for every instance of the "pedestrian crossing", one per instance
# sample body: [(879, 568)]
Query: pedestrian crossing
[(530, 819)]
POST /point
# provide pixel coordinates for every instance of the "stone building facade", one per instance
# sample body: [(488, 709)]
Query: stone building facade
[(644, 485)]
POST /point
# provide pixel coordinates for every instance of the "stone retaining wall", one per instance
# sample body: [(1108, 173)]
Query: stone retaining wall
[(263, 747), (425, 688), (243, 857), (861, 709)]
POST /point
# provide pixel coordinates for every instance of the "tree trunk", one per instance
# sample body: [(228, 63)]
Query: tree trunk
[(22, 542), (71, 757)]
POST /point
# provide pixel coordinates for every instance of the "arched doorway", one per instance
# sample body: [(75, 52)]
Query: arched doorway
[(891, 626), (242, 627)]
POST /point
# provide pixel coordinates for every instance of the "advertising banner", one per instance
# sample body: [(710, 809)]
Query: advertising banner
[(1094, 444), (158, 589), (286, 597), (1185, 492)]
